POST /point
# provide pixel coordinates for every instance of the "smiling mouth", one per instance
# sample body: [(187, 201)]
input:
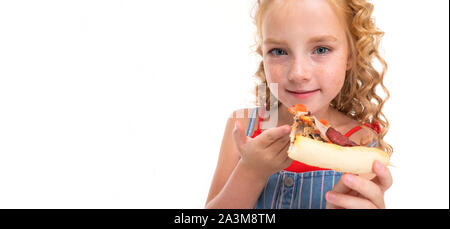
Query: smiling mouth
[(302, 92)]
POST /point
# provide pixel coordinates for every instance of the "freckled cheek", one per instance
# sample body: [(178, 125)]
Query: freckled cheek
[(274, 73), (332, 81)]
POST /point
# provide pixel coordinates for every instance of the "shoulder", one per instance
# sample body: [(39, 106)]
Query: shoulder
[(365, 136)]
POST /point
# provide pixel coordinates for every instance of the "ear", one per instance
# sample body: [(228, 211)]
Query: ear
[(349, 62)]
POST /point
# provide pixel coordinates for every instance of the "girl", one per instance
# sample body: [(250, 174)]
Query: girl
[(318, 53)]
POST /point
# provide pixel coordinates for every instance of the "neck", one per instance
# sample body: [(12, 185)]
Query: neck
[(326, 113)]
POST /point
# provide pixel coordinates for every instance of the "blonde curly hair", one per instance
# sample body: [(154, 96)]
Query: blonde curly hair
[(358, 98)]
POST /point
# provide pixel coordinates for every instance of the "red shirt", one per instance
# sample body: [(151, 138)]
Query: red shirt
[(299, 167)]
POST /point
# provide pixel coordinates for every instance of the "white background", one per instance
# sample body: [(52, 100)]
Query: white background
[(123, 104)]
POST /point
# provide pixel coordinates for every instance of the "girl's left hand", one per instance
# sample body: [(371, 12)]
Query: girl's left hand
[(355, 192)]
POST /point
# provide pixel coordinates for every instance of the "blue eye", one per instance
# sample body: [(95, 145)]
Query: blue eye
[(277, 52), (321, 50)]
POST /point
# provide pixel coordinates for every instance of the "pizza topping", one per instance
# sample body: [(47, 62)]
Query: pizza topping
[(339, 139), (309, 126), (305, 125), (324, 122), (300, 107)]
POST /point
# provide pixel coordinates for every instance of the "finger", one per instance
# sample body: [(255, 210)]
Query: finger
[(333, 207), (329, 204), (348, 202), (271, 135), (365, 188), (278, 145), (287, 161), (238, 136), (340, 186), (282, 156), (384, 177), (285, 148)]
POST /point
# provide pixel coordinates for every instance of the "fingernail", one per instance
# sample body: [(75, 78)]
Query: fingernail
[(349, 180), (378, 166), (331, 196), (287, 129)]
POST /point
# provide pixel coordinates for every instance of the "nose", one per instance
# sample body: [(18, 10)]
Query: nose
[(299, 70)]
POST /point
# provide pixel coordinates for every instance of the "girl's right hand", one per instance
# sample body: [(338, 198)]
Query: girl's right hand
[(265, 154)]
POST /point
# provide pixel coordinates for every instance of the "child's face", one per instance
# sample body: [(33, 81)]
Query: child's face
[(297, 60)]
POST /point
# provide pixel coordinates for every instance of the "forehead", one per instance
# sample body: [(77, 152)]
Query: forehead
[(301, 19)]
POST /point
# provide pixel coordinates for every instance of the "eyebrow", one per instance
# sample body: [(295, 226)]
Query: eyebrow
[(322, 39), (273, 41), (316, 39)]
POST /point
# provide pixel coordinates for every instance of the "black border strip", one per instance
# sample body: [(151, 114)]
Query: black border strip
[(215, 217)]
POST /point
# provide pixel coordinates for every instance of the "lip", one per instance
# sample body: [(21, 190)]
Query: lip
[(302, 94)]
